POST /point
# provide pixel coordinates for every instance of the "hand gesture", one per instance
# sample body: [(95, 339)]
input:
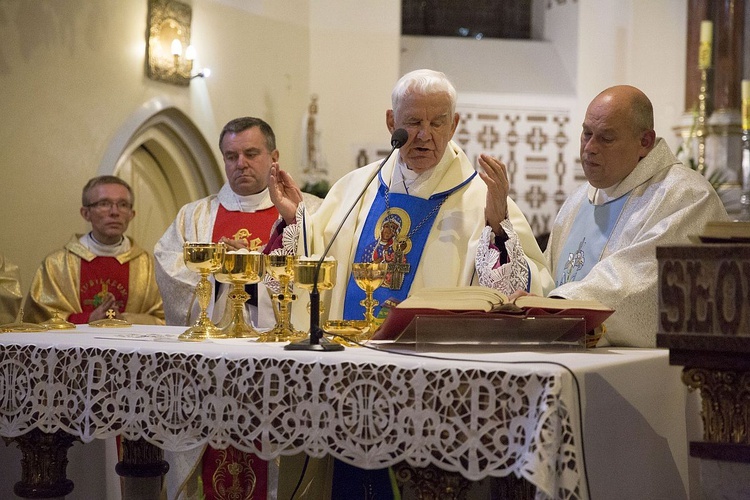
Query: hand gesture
[(101, 311), (494, 174), (284, 192)]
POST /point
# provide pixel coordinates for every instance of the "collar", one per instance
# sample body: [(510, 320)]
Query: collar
[(444, 176), (100, 249), (250, 203)]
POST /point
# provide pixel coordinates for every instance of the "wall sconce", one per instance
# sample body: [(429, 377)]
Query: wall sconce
[(168, 34)]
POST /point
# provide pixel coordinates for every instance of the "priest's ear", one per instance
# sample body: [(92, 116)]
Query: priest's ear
[(648, 139), (390, 121)]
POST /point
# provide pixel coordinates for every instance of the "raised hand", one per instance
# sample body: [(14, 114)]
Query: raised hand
[(494, 174), (285, 194)]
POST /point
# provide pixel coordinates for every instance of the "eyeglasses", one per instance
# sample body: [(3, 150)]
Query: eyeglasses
[(106, 205)]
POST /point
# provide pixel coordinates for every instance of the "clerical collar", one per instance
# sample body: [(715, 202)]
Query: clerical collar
[(422, 185), (249, 203), (102, 250), (601, 196)]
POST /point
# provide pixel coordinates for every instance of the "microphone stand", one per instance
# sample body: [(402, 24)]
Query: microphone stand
[(316, 341)]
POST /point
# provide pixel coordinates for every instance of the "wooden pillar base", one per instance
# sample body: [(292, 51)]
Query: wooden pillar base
[(142, 468)]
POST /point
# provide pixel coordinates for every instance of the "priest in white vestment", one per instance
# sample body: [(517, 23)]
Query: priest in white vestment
[(638, 196), (240, 215), (429, 214)]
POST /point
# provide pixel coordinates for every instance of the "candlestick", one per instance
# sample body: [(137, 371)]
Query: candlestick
[(745, 104), (745, 195), (704, 49)]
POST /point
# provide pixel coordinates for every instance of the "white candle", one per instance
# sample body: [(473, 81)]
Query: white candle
[(704, 48), (707, 31)]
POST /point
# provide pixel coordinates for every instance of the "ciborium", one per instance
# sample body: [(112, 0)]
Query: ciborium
[(204, 259), (239, 268), (281, 269), (369, 276)]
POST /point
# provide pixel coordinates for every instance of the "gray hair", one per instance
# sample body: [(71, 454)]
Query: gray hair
[(423, 81), (104, 179)]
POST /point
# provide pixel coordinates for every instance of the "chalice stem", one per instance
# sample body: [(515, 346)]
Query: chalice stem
[(369, 303), (203, 291)]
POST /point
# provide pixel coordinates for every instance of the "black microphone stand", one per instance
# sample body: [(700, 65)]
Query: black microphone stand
[(316, 341)]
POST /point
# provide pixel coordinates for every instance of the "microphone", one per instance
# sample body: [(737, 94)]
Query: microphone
[(316, 341)]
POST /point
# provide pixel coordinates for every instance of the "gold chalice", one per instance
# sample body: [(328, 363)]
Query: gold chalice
[(304, 272), (240, 268), (369, 276), (203, 258), (281, 269), (315, 275)]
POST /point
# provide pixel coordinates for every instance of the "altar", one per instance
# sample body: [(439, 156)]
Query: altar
[(601, 423)]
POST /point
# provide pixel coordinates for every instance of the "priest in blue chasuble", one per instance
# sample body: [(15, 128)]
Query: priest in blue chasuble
[(434, 218), (638, 196)]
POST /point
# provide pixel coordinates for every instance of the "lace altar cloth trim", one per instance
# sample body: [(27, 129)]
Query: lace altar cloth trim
[(479, 422)]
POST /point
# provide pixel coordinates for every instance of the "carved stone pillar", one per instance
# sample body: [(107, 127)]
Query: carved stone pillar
[(44, 462), (432, 483), (142, 468)]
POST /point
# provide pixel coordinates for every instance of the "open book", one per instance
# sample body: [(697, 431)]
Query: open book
[(480, 300)]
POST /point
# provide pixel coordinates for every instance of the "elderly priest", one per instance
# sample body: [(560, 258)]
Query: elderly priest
[(433, 217)]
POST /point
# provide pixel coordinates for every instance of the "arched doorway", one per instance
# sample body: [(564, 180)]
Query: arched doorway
[(168, 163)]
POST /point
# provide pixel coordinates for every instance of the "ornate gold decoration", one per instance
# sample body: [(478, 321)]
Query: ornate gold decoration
[(239, 269), (57, 323), (230, 467), (110, 321), (281, 269), (204, 259), (169, 29), (19, 325), (725, 400), (431, 482), (43, 464), (701, 126), (369, 276)]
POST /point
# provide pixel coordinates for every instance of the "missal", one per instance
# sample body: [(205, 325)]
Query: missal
[(480, 301)]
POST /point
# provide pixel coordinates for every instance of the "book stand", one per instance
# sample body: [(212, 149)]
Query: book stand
[(492, 332)]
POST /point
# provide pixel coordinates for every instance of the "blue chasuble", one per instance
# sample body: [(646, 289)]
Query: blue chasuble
[(395, 232), (588, 236)]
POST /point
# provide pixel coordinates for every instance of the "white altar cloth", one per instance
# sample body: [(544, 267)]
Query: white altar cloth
[(489, 414)]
